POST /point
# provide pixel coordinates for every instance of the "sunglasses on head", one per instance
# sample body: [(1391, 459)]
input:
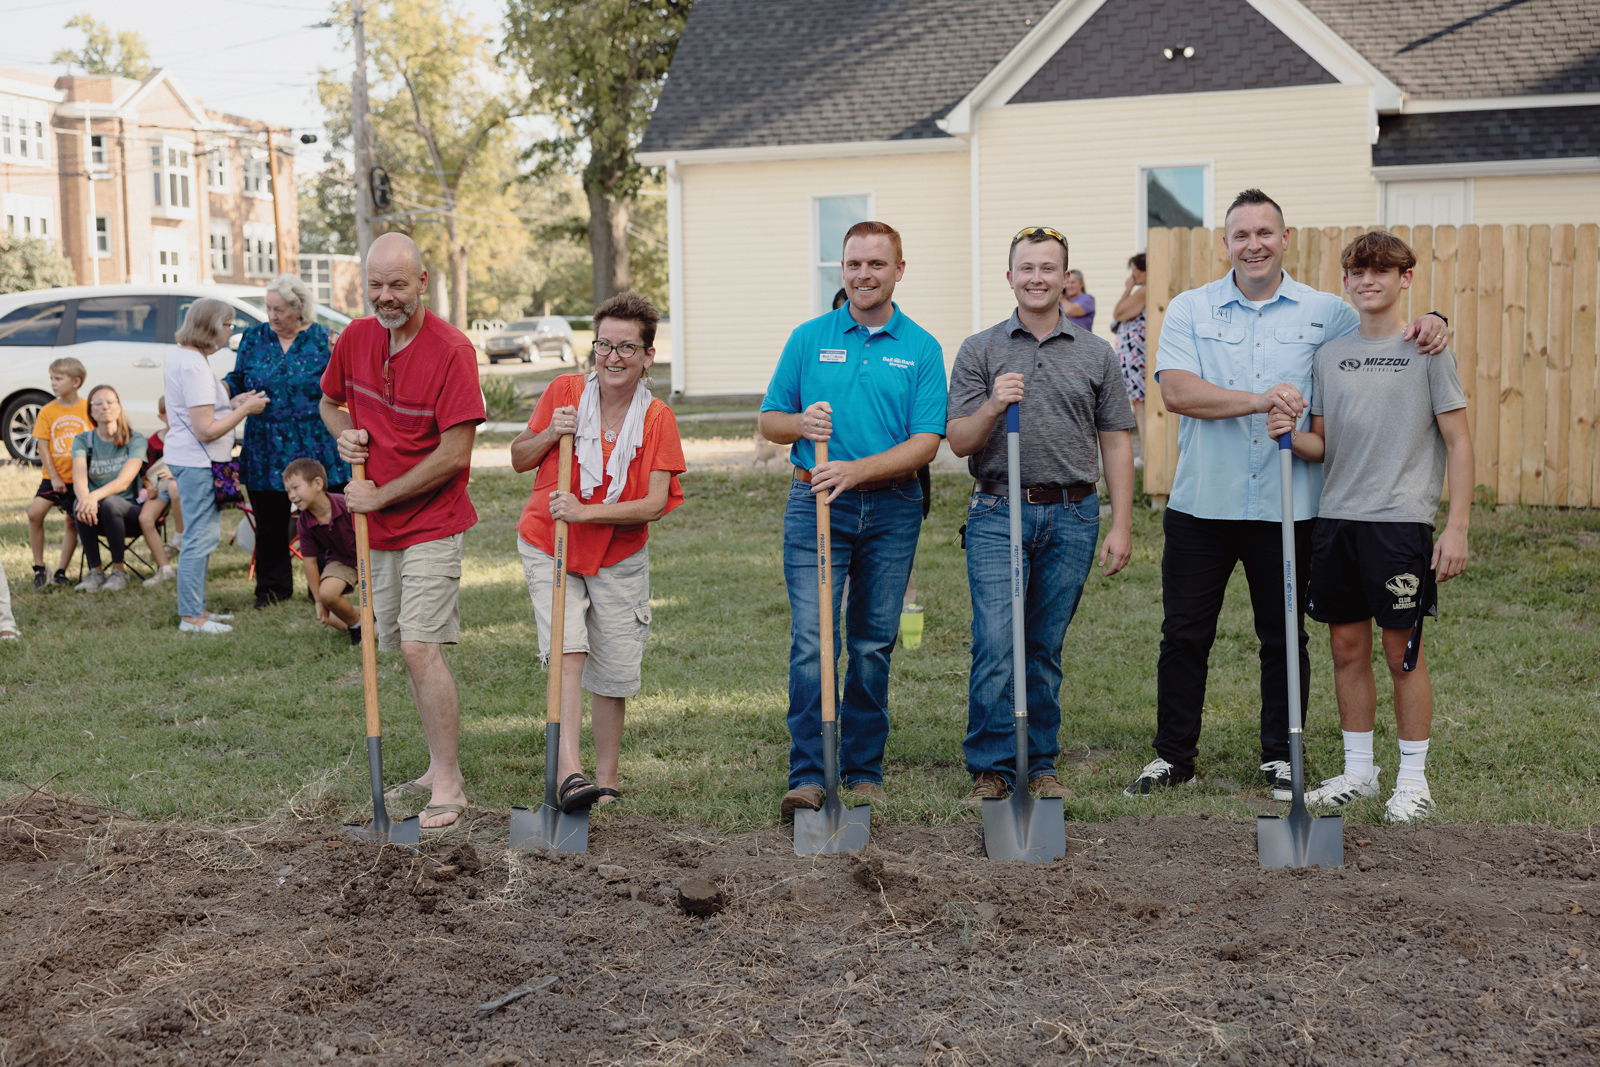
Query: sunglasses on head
[(1039, 233)]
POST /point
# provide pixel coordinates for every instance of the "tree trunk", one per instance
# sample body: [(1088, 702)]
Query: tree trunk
[(458, 290), (608, 245)]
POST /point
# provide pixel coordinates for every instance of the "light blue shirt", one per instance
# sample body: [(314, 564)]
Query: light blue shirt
[(883, 387), (1228, 468)]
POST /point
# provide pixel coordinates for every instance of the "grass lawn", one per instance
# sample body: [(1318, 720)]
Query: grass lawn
[(106, 695)]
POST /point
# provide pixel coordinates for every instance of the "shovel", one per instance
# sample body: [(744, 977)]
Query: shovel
[(835, 828), (546, 826), (1296, 840), (1020, 826), (382, 830)]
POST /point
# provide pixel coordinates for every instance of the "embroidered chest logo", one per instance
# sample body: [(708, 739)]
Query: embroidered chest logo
[(1222, 314), (898, 361)]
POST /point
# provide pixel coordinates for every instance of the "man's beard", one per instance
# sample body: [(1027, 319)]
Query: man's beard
[(393, 320)]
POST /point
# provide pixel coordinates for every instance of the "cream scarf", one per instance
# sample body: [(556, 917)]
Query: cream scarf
[(629, 439)]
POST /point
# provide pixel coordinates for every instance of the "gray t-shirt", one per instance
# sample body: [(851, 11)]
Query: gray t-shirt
[(1072, 387), (1385, 460)]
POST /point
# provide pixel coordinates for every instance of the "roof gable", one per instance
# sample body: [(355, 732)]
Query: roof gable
[(1118, 52), (754, 73)]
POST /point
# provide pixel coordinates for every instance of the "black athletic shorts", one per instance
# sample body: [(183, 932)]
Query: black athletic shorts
[(1371, 570), (63, 500)]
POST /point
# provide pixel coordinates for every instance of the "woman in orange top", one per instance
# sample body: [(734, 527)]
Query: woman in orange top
[(628, 458)]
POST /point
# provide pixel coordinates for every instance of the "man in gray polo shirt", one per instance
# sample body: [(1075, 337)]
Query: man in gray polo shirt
[(1075, 411)]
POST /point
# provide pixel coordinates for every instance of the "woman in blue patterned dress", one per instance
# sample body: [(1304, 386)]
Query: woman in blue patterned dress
[(283, 357)]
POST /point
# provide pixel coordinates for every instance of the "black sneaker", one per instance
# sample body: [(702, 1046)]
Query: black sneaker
[(41, 577), (61, 579), (1280, 778), (1158, 774), (355, 636)]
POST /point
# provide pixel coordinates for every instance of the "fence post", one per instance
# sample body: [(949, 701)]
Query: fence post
[(1558, 398), (1491, 301), (1535, 351), (1585, 483), (1513, 337), (1464, 319), (1158, 281)]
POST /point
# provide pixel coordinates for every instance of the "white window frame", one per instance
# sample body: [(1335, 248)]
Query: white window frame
[(102, 236), (1141, 216), (30, 216), (259, 250), (99, 152), (23, 135), (818, 263), (217, 166), (177, 176), (317, 273), (256, 171), (222, 247)]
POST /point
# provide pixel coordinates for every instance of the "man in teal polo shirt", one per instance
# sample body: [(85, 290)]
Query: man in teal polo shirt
[(1230, 352), (881, 377)]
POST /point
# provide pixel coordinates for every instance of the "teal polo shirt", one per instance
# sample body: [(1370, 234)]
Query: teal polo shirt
[(883, 387)]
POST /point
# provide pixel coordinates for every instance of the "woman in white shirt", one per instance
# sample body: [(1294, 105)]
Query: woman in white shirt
[(203, 418)]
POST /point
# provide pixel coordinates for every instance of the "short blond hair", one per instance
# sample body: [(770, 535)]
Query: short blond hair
[(297, 295), (207, 326), (71, 367)]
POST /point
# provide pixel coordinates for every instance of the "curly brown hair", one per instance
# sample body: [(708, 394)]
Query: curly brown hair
[(1380, 249), (630, 307)]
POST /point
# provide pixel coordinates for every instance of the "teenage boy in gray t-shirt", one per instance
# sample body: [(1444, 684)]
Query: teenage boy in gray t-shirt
[(1389, 426)]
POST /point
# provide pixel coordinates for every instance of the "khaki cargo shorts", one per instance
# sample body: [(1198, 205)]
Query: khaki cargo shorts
[(607, 616), (416, 593)]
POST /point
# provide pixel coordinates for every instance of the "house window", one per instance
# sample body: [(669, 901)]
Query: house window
[(22, 129), (260, 250), (318, 274), (97, 151), (257, 174), (221, 246), (177, 173), (834, 217), (102, 235), (217, 166), (28, 216), (155, 171), (1172, 197)]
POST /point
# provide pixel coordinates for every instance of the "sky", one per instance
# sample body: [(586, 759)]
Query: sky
[(255, 58)]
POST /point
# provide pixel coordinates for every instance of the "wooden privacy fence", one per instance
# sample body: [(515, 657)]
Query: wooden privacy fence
[(1521, 302)]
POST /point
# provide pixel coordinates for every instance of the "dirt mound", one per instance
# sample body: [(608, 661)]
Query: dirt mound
[(1157, 941)]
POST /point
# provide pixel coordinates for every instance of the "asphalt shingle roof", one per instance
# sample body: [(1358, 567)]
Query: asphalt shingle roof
[(779, 72), (1482, 136), (1118, 52), (1453, 49)]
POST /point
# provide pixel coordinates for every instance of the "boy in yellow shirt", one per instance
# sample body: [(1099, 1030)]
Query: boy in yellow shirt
[(59, 422)]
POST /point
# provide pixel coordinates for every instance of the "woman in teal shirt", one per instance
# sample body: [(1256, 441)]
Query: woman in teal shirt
[(105, 476)]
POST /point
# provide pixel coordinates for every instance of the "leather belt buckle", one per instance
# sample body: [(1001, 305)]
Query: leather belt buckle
[(1028, 495)]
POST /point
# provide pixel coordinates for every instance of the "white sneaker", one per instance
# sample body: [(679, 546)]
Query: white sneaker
[(1411, 802), (162, 574), (210, 626), (116, 581), (91, 582), (1338, 791)]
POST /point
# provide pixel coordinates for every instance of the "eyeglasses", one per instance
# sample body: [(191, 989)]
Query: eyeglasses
[(1039, 233), (627, 348)]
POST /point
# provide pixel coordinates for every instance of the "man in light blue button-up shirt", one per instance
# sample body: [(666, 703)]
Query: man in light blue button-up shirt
[(1229, 353)]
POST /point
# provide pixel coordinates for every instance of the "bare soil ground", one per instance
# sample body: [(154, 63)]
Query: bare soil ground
[(1157, 941)]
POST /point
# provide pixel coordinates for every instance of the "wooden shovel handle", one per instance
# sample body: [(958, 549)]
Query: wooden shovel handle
[(558, 591), (369, 639), (825, 591)]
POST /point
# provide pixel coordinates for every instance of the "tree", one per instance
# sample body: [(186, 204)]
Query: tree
[(328, 210), (31, 263), (596, 67), (122, 54)]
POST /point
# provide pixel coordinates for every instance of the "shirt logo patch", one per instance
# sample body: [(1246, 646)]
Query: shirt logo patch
[(1224, 314), (897, 361), (833, 355), (1404, 587), (1350, 364)]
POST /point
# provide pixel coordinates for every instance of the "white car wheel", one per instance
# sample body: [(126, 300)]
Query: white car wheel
[(19, 418)]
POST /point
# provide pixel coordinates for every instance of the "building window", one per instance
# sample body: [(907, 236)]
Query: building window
[(260, 250), (221, 246), (257, 175), (834, 217), (97, 151), (1173, 197), (28, 216), (155, 171), (102, 235), (22, 129), (318, 274), (178, 172), (217, 166), (167, 265)]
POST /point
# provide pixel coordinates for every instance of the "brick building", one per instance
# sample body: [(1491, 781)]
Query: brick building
[(135, 181)]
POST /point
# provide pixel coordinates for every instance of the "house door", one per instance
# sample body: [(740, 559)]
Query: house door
[(169, 259), (1427, 203)]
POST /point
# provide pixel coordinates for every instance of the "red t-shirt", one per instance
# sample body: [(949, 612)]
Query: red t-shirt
[(592, 545), (433, 385)]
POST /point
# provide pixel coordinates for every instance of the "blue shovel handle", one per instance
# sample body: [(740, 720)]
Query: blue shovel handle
[(1013, 420), (1286, 439)]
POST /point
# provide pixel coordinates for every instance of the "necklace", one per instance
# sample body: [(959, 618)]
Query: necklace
[(610, 434)]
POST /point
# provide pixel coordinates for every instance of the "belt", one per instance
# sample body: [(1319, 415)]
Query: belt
[(803, 475), (1040, 494)]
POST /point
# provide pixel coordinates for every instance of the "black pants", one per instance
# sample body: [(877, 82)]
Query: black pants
[(117, 514), (274, 565), (1196, 564)]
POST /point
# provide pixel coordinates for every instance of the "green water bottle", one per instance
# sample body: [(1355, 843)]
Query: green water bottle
[(911, 626)]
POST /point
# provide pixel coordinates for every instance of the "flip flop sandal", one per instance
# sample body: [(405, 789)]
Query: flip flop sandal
[(459, 810), (408, 789), (578, 794), (608, 795)]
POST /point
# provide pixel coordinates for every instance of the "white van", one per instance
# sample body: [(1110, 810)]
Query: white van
[(121, 334)]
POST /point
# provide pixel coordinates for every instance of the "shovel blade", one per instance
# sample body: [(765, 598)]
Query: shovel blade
[(545, 827), (1298, 840), (406, 832), (1021, 827), (832, 830)]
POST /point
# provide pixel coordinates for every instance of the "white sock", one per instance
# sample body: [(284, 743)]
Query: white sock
[(1358, 754), (1413, 761)]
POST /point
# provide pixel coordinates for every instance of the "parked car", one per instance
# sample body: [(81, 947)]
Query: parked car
[(531, 340), (256, 297), (121, 333)]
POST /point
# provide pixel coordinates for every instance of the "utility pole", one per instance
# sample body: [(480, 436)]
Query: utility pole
[(277, 206), (363, 148), (88, 177)]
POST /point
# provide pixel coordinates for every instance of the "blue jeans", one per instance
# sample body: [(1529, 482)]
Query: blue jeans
[(874, 540), (202, 528), (1058, 542)]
